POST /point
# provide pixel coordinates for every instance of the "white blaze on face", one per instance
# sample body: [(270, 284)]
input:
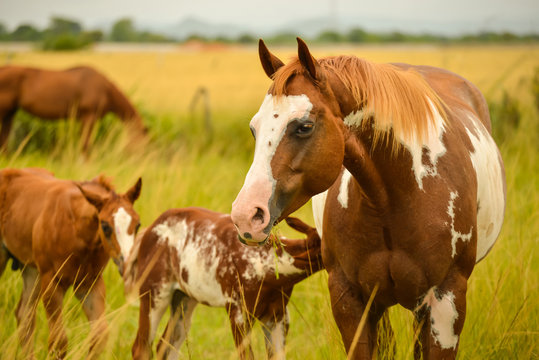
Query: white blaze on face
[(199, 254), (270, 123), (486, 160), (443, 315), (122, 220)]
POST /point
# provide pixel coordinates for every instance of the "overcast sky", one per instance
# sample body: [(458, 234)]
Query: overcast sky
[(269, 13)]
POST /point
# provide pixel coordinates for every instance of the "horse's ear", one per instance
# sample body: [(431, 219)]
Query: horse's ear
[(133, 193), (270, 62), (306, 59), (93, 198)]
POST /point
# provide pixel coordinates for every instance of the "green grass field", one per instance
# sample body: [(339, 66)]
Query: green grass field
[(182, 166)]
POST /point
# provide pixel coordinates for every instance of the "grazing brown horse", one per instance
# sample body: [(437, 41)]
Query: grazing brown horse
[(420, 200), (80, 92), (62, 233), (191, 256)]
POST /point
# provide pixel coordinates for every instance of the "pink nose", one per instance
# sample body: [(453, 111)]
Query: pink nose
[(250, 221)]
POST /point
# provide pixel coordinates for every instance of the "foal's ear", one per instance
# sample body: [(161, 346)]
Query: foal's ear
[(93, 198), (133, 193), (270, 62), (306, 59)]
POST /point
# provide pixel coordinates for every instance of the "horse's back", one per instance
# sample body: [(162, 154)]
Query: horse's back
[(32, 198)]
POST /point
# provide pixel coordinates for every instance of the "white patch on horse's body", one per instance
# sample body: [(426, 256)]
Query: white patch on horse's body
[(455, 235), (270, 123), (318, 203), (343, 189), (122, 220), (198, 255), (433, 143), (443, 315), (486, 160), (355, 118), (262, 263)]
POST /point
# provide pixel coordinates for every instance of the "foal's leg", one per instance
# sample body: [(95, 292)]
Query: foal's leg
[(26, 310), (348, 307), (93, 304), (241, 324), (181, 311), (53, 295), (275, 331), (442, 314), (153, 304)]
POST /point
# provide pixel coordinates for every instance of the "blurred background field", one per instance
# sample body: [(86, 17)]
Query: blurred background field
[(186, 164)]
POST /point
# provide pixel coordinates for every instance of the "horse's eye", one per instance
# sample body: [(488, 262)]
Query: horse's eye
[(305, 129), (107, 230)]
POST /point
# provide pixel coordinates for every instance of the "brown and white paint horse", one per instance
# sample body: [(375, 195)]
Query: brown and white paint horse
[(420, 199), (62, 233), (81, 92), (192, 255)]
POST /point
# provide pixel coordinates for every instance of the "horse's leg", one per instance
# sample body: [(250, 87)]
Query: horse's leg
[(181, 311), (53, 295), (150, 313), (26, 310), (241, 324), (275, 331), (7, 122), (93, 304), (88, 121), (442, 313), (348, 307)]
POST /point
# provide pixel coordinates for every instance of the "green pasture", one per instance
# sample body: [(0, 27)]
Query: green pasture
[(184, 164)]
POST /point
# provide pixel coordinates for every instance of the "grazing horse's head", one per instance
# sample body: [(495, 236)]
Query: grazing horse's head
[(118, 221), (298, 131)]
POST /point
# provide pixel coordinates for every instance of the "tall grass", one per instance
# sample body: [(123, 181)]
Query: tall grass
[(181, 167)]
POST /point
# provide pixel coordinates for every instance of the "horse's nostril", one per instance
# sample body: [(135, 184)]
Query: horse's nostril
[(258, 218)]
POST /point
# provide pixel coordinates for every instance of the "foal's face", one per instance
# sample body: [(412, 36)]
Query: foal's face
[(118, 222), (118, 226), (298, 153)]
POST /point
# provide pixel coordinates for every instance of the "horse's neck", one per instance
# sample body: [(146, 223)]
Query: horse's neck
[(121, 106)]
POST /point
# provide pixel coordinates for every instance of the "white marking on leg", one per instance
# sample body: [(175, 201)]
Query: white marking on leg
[(343, 189), (455, 235), (161, 299), (443, 315), (276, 332), (122, 220), (487, 163)]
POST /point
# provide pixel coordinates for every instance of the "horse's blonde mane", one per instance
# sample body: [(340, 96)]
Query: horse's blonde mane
[(395, 99)]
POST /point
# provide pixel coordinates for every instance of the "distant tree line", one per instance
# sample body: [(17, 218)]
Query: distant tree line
[(66, 34)]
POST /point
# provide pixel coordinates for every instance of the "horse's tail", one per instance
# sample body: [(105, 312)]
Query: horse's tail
[(307, 252)]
